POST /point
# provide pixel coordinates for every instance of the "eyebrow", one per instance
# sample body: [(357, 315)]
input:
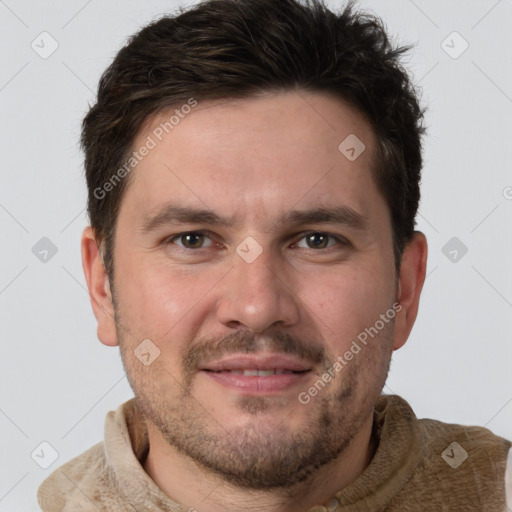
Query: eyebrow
[(342, 215), (171, 214)]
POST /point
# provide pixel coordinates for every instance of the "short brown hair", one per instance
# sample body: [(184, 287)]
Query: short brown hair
[(222, 49)]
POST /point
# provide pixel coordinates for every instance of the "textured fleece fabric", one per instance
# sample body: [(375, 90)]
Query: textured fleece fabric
[(419, 465)]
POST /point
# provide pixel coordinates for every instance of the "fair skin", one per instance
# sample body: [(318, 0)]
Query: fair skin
[(224, 441)]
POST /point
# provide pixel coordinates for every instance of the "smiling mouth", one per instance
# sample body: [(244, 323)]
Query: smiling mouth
[(258, 373), (268, 382), (264, 374)]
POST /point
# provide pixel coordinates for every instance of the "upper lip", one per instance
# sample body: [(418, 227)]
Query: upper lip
[(258, 362)]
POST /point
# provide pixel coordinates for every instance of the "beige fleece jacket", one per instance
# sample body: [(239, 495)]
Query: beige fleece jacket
[(419, 465)]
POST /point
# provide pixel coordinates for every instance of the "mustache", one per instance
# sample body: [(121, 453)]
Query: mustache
[(246, 342)]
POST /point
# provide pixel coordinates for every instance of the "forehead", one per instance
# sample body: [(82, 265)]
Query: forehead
[(250, 156)]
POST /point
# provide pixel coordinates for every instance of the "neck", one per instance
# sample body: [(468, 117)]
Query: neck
[(194, 487)]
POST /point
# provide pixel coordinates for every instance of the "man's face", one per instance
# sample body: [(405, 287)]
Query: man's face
[(283, 287)]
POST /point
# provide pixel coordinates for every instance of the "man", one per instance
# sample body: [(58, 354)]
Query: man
[(253, 170)]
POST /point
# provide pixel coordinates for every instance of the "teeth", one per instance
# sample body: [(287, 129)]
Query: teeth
[(259, 373)]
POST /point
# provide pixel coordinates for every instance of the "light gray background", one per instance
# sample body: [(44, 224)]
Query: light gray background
[(58, 381)]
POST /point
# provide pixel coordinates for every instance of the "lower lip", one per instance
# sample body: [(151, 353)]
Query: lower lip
[(258, 384)]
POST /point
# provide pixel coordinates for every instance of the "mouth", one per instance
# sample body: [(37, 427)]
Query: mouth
[(259, 374)]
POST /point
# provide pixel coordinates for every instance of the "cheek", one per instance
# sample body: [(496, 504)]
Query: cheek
[(160, 299), (345, 303)]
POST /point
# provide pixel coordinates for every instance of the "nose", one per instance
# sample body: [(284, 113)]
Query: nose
[(257, 295)]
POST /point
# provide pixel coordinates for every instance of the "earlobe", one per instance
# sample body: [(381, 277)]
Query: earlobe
[(410, 284), (98, 285)]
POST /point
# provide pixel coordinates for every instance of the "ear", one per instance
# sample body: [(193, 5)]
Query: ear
[(99, 288), (410, 284)]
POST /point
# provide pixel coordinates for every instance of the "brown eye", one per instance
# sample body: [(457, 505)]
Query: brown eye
[(191, 240), (317, 240)]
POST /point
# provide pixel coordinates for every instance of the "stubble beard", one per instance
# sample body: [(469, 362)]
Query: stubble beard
[(257, 456)]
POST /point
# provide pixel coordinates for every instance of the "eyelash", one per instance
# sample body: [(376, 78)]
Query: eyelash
[(340, 240)]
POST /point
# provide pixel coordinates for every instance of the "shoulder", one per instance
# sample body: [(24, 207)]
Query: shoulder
[(460, 466), (94, 480), (473, 449), (68, 483)]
